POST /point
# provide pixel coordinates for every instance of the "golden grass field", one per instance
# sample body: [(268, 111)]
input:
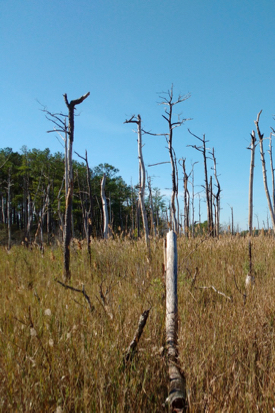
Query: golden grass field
[(56, 355)]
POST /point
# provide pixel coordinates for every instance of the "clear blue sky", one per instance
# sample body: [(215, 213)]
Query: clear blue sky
[(127, 52)]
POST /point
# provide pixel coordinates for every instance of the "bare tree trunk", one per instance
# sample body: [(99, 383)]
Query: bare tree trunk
[(29, 224), (137, 120), (169, 103), (9, 209), (251, 179), (272, 171), (261, 137), (211, 206), (42, 214), (153, 224), (105, 209), (177, 389), (3, 210), (217, 196), (186, 197), (69, 196), (202, 149)]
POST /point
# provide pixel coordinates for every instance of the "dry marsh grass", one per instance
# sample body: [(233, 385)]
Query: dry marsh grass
[(58, 356)]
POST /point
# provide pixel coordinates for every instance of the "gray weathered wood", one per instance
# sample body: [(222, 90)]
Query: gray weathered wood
[(177, 391), (105, 209)]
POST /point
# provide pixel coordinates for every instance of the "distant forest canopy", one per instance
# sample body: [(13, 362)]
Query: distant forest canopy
[(32, 193)]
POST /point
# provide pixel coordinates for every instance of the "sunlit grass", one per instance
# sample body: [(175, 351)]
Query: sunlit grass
[(57, 355)]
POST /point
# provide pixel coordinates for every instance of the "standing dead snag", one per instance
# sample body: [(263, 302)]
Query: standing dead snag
[(169, 103), (251, 179), (177, 391), (105, 209), (203, 149), (261, 138), (69, 198), (88, 210), (186, 197), (59, 119), (217, 196), (137, 120)]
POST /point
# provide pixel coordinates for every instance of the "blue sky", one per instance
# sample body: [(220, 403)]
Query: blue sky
[(126, 53)]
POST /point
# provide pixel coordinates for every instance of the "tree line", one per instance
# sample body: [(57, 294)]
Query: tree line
[(32, 197)]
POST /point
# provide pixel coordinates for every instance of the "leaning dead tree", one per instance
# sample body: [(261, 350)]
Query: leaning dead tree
[(137, 120), (269, 202), (252, 147)]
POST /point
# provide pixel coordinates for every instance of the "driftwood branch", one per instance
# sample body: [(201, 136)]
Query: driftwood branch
[(216, 291), (130, 352), (68, 287), (159, 163)]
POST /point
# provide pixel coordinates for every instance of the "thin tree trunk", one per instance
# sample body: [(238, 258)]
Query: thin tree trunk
[(105, 209), (142, 182), (251, 179), (261, 136), (153, 224), (9, 209), (272, 171)]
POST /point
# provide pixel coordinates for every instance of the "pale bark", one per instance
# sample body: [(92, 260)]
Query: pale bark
[(153, 224), (137, 120), (42, 214), (9, 209), (251, 179), (88, 211), (177, 389), (105, 209), (272, 171), (261, 137), (186, 198), (203, 149)]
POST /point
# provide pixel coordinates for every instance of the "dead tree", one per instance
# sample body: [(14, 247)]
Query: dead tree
[(88, 211), (9, 184), (169, 104), (105, 209), (137, 120), (232, 219), (177, 391), (42, 214), (69, 199), (261, 138), (272, 168), (252, 147), (186, 197), (153, 223), (203, 150), (59, 119), (217, 196)]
